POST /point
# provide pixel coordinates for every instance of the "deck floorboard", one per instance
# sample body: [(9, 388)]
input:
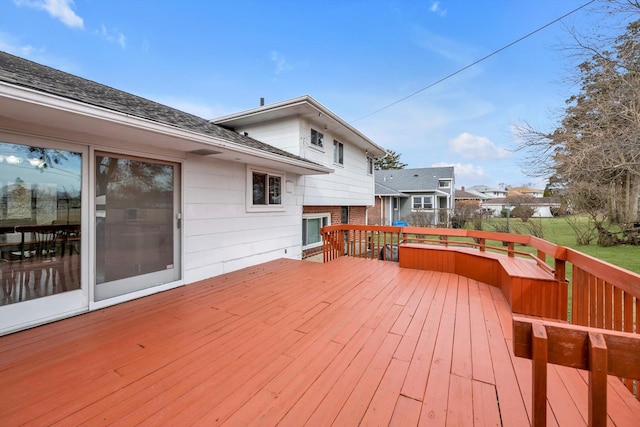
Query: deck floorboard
[(290, 343)]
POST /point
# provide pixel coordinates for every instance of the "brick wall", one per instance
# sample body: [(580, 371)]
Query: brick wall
[(357, 215), (374, 214)]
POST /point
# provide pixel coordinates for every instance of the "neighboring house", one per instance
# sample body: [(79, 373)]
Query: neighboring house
[(488, 191), (464, 195), (542, 205), (419, 197), (143, 197), (306, 128), (525, 191), (386, 210)]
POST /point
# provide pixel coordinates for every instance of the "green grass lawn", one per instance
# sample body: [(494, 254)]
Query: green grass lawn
[(558, 231)]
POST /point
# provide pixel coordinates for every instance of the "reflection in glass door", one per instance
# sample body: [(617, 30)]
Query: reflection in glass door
[(40, 199), (137, 236), (41, 245)]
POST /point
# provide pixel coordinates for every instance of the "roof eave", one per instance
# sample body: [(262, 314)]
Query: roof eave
[(35, 102), (237, 119)]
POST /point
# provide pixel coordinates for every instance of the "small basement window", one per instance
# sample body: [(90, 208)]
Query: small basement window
[(311, 225)]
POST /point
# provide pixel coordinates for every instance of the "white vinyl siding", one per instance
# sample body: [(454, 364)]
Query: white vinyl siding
[(219, 234), (350, 184)]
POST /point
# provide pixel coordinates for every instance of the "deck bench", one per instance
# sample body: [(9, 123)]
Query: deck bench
[(529, 288)]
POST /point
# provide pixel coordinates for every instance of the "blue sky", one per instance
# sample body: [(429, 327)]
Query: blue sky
[(216, 57)]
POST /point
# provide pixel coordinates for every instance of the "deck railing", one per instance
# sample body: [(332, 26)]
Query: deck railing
[(602, 295), (600, 353)]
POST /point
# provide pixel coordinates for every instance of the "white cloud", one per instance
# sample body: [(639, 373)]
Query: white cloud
[(435, 8), (9, 45), (122, 40), (477, 147), (113, 36), (465, 172), (60, 9), (281, 63)]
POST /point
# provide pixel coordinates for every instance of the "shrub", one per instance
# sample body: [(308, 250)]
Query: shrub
[(523, 212)]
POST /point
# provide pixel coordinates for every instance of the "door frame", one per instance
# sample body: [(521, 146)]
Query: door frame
[(47, 309), (178, 186)]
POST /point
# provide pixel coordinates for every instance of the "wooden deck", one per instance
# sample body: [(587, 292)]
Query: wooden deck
[(350, 342)]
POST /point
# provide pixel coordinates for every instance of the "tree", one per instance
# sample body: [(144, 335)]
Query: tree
[(597, 144), (390, 161), (465, 210)]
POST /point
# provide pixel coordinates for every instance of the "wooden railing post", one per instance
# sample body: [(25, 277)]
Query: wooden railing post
[(560, 270), (600, 352), (598, 367), (539, 348), (510, 248)]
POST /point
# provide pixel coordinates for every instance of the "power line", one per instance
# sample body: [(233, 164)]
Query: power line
[(495, 52)]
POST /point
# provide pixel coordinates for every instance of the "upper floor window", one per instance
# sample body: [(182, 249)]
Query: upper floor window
[(422, 202), (264, 190), (317, 138), (444, 184), (338, 152), (370, 165)]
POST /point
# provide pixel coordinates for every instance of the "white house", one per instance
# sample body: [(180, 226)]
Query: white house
[(306, 128), (542, 206), (488, 191), (525, 191), (141, 197)]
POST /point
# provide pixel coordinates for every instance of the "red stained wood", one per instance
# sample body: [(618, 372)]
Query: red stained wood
[(539, 349), (597, 380), (485, 406), (529, 288), (349, 342)]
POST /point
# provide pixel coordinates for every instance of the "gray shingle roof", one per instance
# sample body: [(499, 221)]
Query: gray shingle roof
[(467, 195), (383, 190), (413, 179), (28, 74)]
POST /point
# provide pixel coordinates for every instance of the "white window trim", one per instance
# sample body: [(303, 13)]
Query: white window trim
[(373, 166), (444, 181), (336, 145), (413, 208), (250, 207), (316, 146), (326, 215)]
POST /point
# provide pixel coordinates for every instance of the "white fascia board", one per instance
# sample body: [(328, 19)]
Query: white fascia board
[(305, 100), (34, 97)]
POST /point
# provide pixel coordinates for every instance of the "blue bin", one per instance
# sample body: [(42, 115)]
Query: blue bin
[(399, 223)]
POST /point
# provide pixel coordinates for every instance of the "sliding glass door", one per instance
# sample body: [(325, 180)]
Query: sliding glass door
[(137, 224), (41, 239)]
